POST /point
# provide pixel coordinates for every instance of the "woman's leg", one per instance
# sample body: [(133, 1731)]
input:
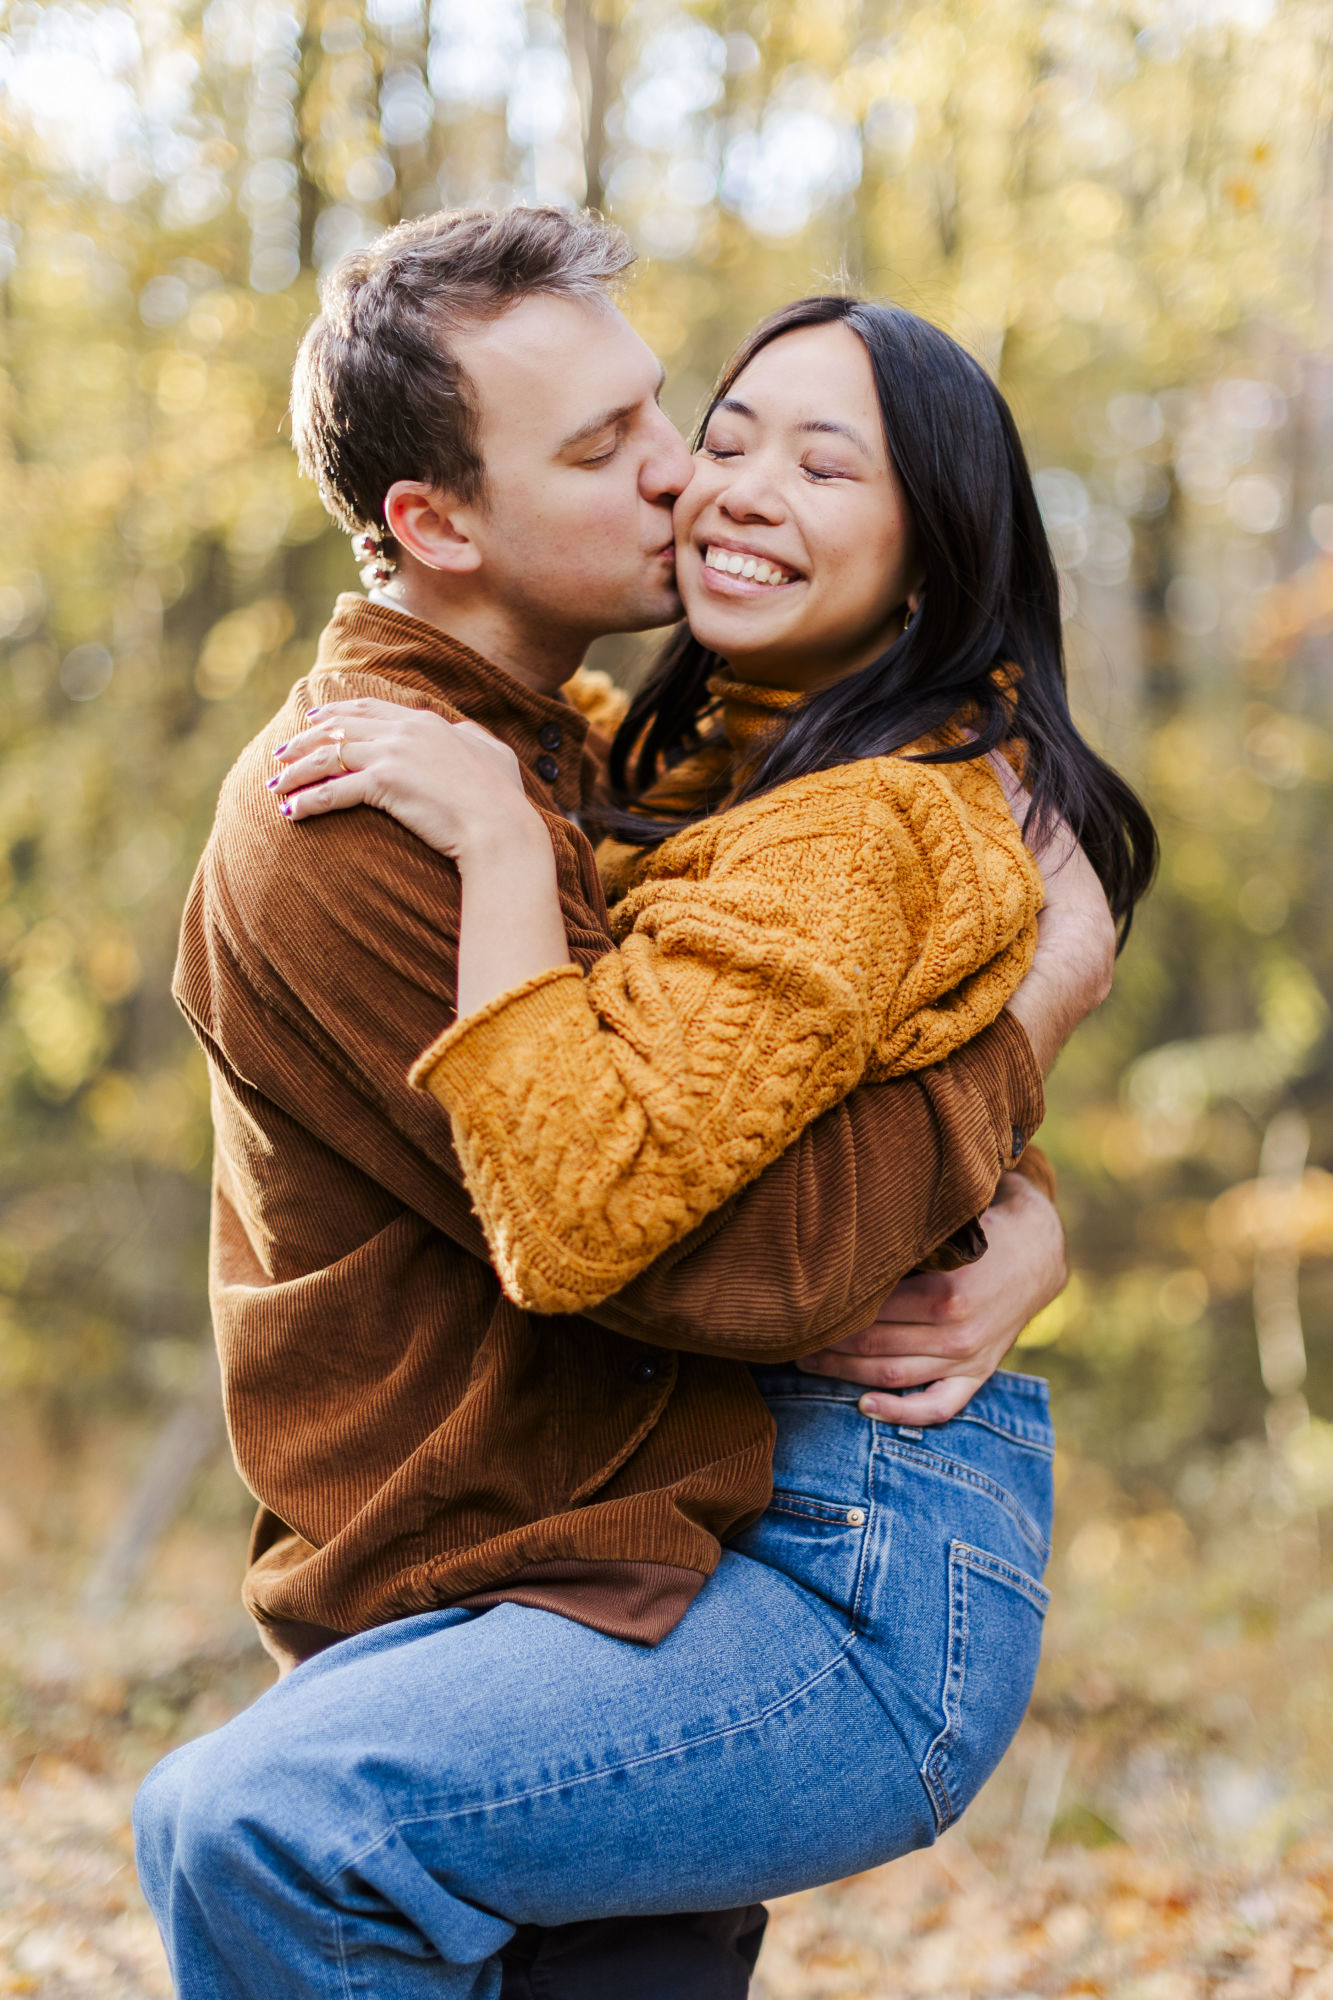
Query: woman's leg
[(380, 1822)]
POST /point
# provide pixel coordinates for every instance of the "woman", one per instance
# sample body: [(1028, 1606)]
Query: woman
[(824, 882)]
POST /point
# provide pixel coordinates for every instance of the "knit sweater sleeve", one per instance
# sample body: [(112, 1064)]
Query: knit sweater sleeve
[(863, 922)]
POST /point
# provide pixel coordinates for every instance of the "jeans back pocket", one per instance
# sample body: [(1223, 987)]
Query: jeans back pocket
[(996, 1613), (819, 1544)]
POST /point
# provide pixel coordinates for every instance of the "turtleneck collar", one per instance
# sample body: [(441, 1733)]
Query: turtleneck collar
[(748, 712)]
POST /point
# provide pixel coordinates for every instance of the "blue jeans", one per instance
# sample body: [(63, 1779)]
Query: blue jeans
[(380, 1822)]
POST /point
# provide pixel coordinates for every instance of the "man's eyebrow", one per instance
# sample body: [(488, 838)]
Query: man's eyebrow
[(823, 425), (605, 420)]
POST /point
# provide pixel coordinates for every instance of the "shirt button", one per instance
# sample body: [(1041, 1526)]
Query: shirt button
[(1019, 1139), (550, 736), (645, 1371), (548, 768)]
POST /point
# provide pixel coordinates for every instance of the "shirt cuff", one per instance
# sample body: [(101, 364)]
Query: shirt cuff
[(1014, 1087), (1037, 1170)]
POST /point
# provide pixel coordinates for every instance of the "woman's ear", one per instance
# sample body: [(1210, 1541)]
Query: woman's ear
[(430, 524)]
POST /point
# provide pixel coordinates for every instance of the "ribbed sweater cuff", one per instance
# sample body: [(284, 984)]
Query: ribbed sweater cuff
[(471, 1045)]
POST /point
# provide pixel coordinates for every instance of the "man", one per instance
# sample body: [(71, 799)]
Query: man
[(472, 399)]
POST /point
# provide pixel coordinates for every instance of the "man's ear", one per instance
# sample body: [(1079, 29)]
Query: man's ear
[(432, 526)]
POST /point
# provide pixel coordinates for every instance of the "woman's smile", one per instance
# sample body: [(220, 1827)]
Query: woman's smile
[(736, 569)]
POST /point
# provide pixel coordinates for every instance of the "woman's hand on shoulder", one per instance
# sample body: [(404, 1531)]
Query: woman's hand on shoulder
[(452, 784)]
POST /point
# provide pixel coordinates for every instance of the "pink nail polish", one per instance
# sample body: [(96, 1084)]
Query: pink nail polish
[(271, 782), (286, 808), (281, 747)]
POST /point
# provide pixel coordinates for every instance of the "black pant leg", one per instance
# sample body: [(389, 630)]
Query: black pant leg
[(706, 1956)]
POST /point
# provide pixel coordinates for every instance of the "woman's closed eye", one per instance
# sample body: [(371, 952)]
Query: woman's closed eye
[(718, 444), (820, 472)]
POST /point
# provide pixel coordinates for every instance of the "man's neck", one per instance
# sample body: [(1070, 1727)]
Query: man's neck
[(542, 665)]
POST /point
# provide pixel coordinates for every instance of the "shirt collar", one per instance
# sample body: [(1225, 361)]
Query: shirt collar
[(369, 638)]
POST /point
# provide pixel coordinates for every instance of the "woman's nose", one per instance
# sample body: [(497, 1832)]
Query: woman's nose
[(750, 495)]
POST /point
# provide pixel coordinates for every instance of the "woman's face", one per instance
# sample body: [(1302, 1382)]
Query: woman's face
[(794, 488)]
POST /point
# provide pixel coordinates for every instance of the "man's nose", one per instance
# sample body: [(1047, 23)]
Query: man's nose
[(667, 468)]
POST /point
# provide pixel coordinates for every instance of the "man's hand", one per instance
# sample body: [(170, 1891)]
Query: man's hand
[(952, 1329)]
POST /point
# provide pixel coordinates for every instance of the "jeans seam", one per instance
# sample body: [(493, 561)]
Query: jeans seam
[(609, 1771), (963, 1560), (954, 1667), (863, 1562), (800, 1507), (1004, 1572), (343, 1966), (1039, 1443), (965, 1475)]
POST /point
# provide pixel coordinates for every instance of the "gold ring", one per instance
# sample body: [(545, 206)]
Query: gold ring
[(338, 737)]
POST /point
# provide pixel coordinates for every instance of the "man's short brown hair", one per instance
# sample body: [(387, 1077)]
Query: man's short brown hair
[(377, 394)]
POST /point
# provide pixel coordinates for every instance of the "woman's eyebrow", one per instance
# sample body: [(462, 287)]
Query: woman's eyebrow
[(825, 426)]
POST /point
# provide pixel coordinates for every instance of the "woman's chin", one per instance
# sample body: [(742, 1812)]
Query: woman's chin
[(733, 634)]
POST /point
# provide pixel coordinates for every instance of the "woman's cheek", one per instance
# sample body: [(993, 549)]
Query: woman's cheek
[(706, 482)]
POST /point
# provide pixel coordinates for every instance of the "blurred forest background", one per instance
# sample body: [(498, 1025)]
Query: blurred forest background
[(1126, 210)]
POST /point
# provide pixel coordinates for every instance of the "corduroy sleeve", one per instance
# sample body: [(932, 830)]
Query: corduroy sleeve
[(865, 915)]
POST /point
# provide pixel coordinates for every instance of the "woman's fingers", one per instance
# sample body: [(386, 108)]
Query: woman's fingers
[(326, 736), (362, 720), (312, 765), (362, 708), (451, 784), (331, 795)]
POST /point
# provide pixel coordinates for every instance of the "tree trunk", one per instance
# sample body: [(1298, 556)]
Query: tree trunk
[(590, 33)]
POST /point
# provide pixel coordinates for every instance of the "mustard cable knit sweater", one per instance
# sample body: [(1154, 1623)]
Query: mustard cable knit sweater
[(845, 928)]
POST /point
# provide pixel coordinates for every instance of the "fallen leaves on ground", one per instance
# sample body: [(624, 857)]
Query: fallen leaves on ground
[(1160, 1830), (1111, 1923)]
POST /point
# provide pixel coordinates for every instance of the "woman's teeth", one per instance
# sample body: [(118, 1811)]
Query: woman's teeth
[(754, 568)]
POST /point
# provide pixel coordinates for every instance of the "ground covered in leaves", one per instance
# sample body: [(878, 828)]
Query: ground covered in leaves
[(1160, 1830)]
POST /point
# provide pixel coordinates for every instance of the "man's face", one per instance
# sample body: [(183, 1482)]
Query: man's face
[(582, 468)]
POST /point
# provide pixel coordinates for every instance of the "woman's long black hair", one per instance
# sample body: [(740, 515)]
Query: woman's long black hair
[(991, 600)]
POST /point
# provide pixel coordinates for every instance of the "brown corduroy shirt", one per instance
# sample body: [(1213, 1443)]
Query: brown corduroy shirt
[(414, 1439)]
